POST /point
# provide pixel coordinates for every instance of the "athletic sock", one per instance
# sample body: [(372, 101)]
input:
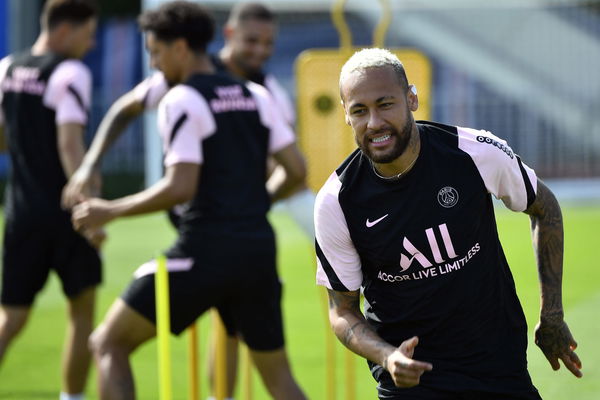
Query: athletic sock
[(66, 396), (300, 206)]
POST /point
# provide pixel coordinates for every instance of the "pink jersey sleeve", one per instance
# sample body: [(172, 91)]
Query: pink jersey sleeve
[(69, 92), (151, 90), (338, 263), (503, 173), (281, 134), (184, 121)]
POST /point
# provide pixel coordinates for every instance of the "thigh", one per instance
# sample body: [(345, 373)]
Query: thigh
[(76, 262), (25, 265), (122, 328), (192, 291)]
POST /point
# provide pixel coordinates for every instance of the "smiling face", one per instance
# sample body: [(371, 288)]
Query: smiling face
[(378, 108), (251, 44)]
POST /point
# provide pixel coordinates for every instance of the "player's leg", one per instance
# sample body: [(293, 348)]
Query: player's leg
[(256, 311), (24, 273), (131, 320), (121, 332), (76, 353), (12, 322), (231, 352), (276, 374), (231, 360), (79, 268)]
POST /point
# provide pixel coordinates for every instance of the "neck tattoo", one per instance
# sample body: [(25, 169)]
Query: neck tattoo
[(393, 177)]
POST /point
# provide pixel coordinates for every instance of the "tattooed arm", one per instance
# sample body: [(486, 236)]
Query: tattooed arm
[(552, 334), (355, 333)]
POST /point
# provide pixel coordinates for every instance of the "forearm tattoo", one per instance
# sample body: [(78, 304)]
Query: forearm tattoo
[(348, 302), (353, 330), (548, 242)]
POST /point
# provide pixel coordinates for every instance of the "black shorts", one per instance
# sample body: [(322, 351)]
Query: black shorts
[(30, 253), (240, 279)]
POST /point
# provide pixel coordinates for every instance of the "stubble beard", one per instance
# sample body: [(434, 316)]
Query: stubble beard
[(248, 70), (400, 144)]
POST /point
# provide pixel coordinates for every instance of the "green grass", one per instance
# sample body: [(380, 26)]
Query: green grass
[(31, 368)]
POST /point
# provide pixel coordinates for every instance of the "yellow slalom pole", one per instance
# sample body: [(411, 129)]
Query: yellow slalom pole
[(194, 370), (350, 376), (247, 378), (220, 366), (329, 353), (163, 328)]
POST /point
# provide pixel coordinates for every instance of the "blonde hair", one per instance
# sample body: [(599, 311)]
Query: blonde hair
[(374, 58)]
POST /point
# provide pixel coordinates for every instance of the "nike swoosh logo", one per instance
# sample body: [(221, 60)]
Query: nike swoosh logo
[(371, 224)]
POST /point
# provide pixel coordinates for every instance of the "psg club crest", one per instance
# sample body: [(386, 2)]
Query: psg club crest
[(447, 197)]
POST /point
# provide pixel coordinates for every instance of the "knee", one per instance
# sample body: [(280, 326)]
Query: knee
[(102, 343), (95, 341), (11, 325)]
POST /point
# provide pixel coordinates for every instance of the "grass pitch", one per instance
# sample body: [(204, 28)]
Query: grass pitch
[(31, 368)]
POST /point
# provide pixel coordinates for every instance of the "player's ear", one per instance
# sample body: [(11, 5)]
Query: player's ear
[(412, 99)]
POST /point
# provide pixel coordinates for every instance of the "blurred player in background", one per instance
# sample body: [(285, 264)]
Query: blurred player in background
[(408, 219), (45, 94), (217, 133), (249, 34)]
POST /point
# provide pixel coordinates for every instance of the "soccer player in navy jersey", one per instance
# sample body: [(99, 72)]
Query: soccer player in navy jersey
[(249, 39), (408, 220), (217, 133), (45, 94), (249, 34)]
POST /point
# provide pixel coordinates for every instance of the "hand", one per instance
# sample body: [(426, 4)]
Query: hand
[(90, 214), (553, 337), (95, 236), (405, 371), (82, 184)]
